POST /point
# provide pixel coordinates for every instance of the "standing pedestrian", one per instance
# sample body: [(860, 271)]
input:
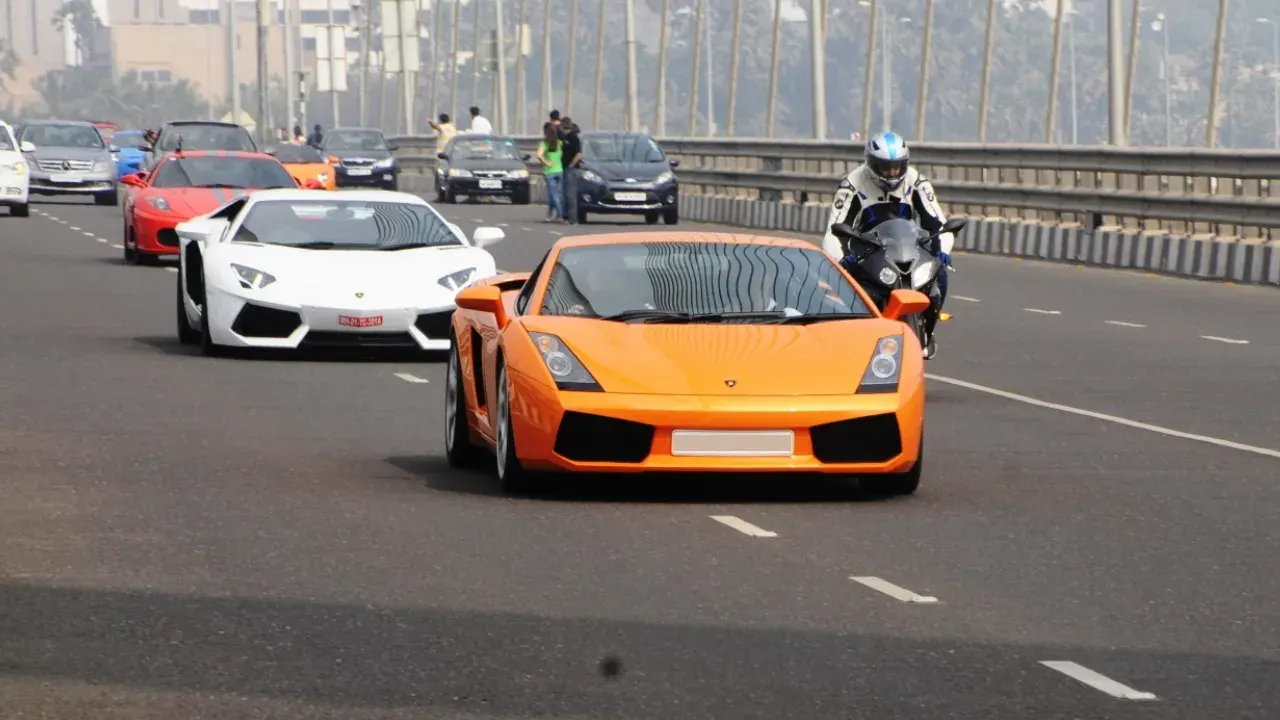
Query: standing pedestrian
[(549, 154), (316, 139), (480, 125), (445, 130), (298, 137), (572, 157)]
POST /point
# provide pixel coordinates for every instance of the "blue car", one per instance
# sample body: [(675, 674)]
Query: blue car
[(133, 151)]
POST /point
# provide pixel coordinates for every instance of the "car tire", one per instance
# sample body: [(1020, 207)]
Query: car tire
[(110, 199), (671, 217), (207, 346), (520, 197), (187, 335), (130, 248), (23, 210), (515, 480), (449, 196), (393, 186), (458, 449), (440, 196), (651, 218), (901, 484)]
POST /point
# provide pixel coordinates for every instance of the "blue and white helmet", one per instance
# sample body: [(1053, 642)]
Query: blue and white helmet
[(888, 158)]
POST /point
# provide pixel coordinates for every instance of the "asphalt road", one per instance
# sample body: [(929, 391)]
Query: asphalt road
[(197, 538)]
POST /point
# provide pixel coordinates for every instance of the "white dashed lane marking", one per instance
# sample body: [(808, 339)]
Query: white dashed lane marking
[(73, 227), (963, 298), (893, 591), (1043, 312), (1228, 341), (1096, 680), (116, 245), (172, 269), (412, 378), (743, 526), (1121, 323)]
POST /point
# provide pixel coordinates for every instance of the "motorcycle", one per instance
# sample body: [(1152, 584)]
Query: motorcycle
[(894, 253)]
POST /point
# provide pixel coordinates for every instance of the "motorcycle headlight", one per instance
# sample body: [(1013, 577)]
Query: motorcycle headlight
[(592, 177), (457, 172), (159, 203), (17, 167), (565, 367), (923, 274), (888, 276), (518, 174), (885, 367), (664, 178), (251, 278), (385, 163), (457, 280)]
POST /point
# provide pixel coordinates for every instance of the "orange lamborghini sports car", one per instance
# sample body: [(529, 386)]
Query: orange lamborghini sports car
[(685, 352), (306, 164)]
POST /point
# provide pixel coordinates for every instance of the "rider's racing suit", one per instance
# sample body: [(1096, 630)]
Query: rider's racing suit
[(860, 189)]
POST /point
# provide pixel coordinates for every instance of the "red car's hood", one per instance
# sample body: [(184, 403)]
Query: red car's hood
[(192, 202)]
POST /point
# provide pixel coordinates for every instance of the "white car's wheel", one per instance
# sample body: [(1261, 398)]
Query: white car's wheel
[(187, 335), (207, 346)]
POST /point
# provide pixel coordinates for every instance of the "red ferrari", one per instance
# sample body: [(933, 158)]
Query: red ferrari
[(184, 185)]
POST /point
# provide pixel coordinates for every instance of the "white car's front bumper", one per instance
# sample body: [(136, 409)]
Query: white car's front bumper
[(240, 321), (14, 188)]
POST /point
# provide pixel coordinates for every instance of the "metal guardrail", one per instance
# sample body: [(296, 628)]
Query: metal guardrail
[(1226, 193)]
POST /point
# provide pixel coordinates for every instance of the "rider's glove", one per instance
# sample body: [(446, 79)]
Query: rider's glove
[(945, 258)]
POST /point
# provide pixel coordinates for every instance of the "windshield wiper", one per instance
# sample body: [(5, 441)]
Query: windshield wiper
[(648, 316), (768, 317), (315, 245), (418, 247), (220, 185)]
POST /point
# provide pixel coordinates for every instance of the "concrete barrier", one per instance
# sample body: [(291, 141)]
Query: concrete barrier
[(1194, 256)]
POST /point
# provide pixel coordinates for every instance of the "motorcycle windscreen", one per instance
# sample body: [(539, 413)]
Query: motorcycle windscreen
[(900, 239)]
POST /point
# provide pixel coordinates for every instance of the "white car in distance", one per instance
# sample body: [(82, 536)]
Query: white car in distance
[(299, 269), (15, 178)]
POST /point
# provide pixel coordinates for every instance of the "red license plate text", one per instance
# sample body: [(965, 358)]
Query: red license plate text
[(359, 322)]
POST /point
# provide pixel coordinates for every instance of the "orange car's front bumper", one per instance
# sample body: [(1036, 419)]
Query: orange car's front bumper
[(883, 437)]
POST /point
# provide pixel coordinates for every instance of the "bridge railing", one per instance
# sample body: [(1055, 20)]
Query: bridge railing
[(1224, 193)]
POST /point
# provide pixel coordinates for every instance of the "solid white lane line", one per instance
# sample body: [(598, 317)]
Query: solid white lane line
[(1125, 324), (965, 299), (1229, 341), (1096, 681), (1043, 312), (172, 269), (411, 378), (1268, 452), (893, 591), (743, 526)]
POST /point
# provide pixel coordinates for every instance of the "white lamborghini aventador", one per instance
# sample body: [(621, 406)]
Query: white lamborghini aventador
[(309, 268)]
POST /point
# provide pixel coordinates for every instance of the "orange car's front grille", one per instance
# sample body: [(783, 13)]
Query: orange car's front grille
[(595, 438), (869, 439)]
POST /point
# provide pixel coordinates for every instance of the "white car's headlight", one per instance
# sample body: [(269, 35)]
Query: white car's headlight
[(252, 279), (518, 174), (923, 274), (458, 172), (17, 167), (888, 275), (159, 203), (665, 177), (565, 367), (457, 280), (885, 367)]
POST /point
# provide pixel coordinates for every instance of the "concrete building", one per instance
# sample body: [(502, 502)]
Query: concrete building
[(27, 28)]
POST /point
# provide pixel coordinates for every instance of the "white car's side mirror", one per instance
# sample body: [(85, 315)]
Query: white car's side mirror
[(485, 236), (201, 230), (27, 146)]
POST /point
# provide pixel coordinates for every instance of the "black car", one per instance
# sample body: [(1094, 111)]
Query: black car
[(199, 135), (365, 158), (474, 165), (627, 173)]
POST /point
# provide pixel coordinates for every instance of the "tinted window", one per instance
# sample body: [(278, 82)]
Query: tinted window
[(6, 141), (346, 225), (232, 172), (299, 154), (76, 136), (621, 148), (355, 140), (485, 150), (206, 137), (697, 278), (129, 140)]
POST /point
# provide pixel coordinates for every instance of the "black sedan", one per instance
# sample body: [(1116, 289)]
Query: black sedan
[(365, 158), (627, 173), (474, 165)]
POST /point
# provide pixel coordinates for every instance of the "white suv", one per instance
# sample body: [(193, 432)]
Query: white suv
[(15, 177)]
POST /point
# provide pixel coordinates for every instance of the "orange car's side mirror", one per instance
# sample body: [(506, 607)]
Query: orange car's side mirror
[(485, 299), (335, 160), (904, 303)]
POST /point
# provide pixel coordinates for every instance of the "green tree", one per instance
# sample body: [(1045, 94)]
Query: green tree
[(80, 16)]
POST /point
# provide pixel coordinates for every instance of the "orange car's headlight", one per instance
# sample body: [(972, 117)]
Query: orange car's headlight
[(566, 369), (885, 368)]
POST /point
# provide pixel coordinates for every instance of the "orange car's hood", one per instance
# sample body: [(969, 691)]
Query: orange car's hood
[(820, 359)]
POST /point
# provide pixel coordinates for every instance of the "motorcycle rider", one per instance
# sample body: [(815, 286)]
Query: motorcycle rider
[(887, 176)]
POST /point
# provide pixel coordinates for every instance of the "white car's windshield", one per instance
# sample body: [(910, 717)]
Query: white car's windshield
[(6, 140), (355, 140), (345, 225), (75, 136), (678, 281)]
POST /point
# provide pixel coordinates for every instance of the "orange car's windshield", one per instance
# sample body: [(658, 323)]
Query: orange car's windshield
[(300, 155), (688, 280)]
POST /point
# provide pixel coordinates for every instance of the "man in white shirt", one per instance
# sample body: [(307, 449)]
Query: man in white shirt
[(479, 125)]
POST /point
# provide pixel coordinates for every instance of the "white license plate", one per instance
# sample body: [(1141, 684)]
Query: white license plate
[(359, 171), (733, 443), (64, 178), (490, 184), (629, 197)]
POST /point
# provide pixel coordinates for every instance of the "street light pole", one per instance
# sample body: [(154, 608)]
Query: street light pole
[(1163, 22), (1215, 82), (1115, 74), (1275, 71)]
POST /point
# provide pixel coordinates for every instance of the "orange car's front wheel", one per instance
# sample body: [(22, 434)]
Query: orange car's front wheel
[(514, 478)]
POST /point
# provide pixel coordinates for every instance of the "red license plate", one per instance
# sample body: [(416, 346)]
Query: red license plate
[(359, 322)]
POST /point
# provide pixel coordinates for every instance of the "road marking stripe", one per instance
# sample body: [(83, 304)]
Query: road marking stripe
[(743, 526), (1107, 418), (172, 269), (893, 591), (411, 378), (965, 299), (1229, 341), (86, 233), (1125, 324), (73, 227), (1043, 312), (1096, 681), (101, 240), (116, 245)]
